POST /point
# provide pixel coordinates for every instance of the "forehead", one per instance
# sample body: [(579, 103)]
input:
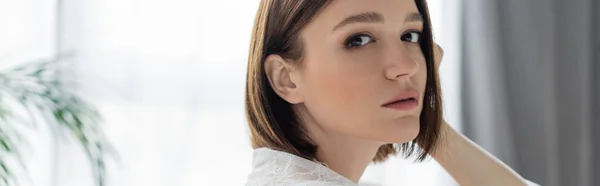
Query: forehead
[(393, 11)]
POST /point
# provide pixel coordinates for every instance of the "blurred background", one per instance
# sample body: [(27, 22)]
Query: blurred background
[(520, 78)]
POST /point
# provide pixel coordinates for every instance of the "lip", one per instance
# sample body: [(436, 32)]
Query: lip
[(410, 97)]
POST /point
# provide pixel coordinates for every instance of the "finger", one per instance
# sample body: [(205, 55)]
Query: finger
[(438, 54)]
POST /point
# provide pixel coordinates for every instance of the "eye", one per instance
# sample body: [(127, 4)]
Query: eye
[(358, 40), (413, 37)]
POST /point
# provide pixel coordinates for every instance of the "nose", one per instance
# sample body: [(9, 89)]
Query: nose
[(400, 64)]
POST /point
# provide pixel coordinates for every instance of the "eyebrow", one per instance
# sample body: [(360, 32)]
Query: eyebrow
[(367, 17), (414, 17), (374, 17)]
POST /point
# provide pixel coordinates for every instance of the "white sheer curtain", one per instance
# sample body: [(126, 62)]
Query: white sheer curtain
[(169, 78)]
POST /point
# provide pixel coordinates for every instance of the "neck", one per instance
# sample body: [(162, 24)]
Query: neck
[(348, 156)]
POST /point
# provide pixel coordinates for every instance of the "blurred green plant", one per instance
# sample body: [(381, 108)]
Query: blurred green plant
[(47, 99)]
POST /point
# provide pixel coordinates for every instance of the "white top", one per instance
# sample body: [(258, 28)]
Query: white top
[(271, 167)]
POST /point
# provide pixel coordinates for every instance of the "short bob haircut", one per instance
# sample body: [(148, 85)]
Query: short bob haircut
[(272, 121)]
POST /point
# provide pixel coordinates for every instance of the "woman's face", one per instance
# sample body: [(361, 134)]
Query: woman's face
[(359, 56)]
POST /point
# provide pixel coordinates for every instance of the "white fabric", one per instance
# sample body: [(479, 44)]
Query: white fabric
[(272, 167)]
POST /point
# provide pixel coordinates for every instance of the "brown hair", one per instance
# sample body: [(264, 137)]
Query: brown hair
[(272, 121)]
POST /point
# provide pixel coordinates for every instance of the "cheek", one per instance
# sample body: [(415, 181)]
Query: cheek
[(339, 85), (420, 78), (421, 82), (338, 91)]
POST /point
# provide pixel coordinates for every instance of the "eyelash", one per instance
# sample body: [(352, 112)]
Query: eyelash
[(348, 42)]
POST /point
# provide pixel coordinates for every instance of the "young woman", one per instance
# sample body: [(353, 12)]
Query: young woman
[(333, 85)]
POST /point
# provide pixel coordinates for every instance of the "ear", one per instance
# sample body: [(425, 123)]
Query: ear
[(283, 78)]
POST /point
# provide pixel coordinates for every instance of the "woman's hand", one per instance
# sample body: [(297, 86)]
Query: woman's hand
[(438, 54), (464, 160)]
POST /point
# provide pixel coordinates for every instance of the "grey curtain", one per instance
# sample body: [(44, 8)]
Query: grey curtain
[(531, 86)]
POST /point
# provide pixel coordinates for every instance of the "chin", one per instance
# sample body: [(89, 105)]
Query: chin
[(402, 131)]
